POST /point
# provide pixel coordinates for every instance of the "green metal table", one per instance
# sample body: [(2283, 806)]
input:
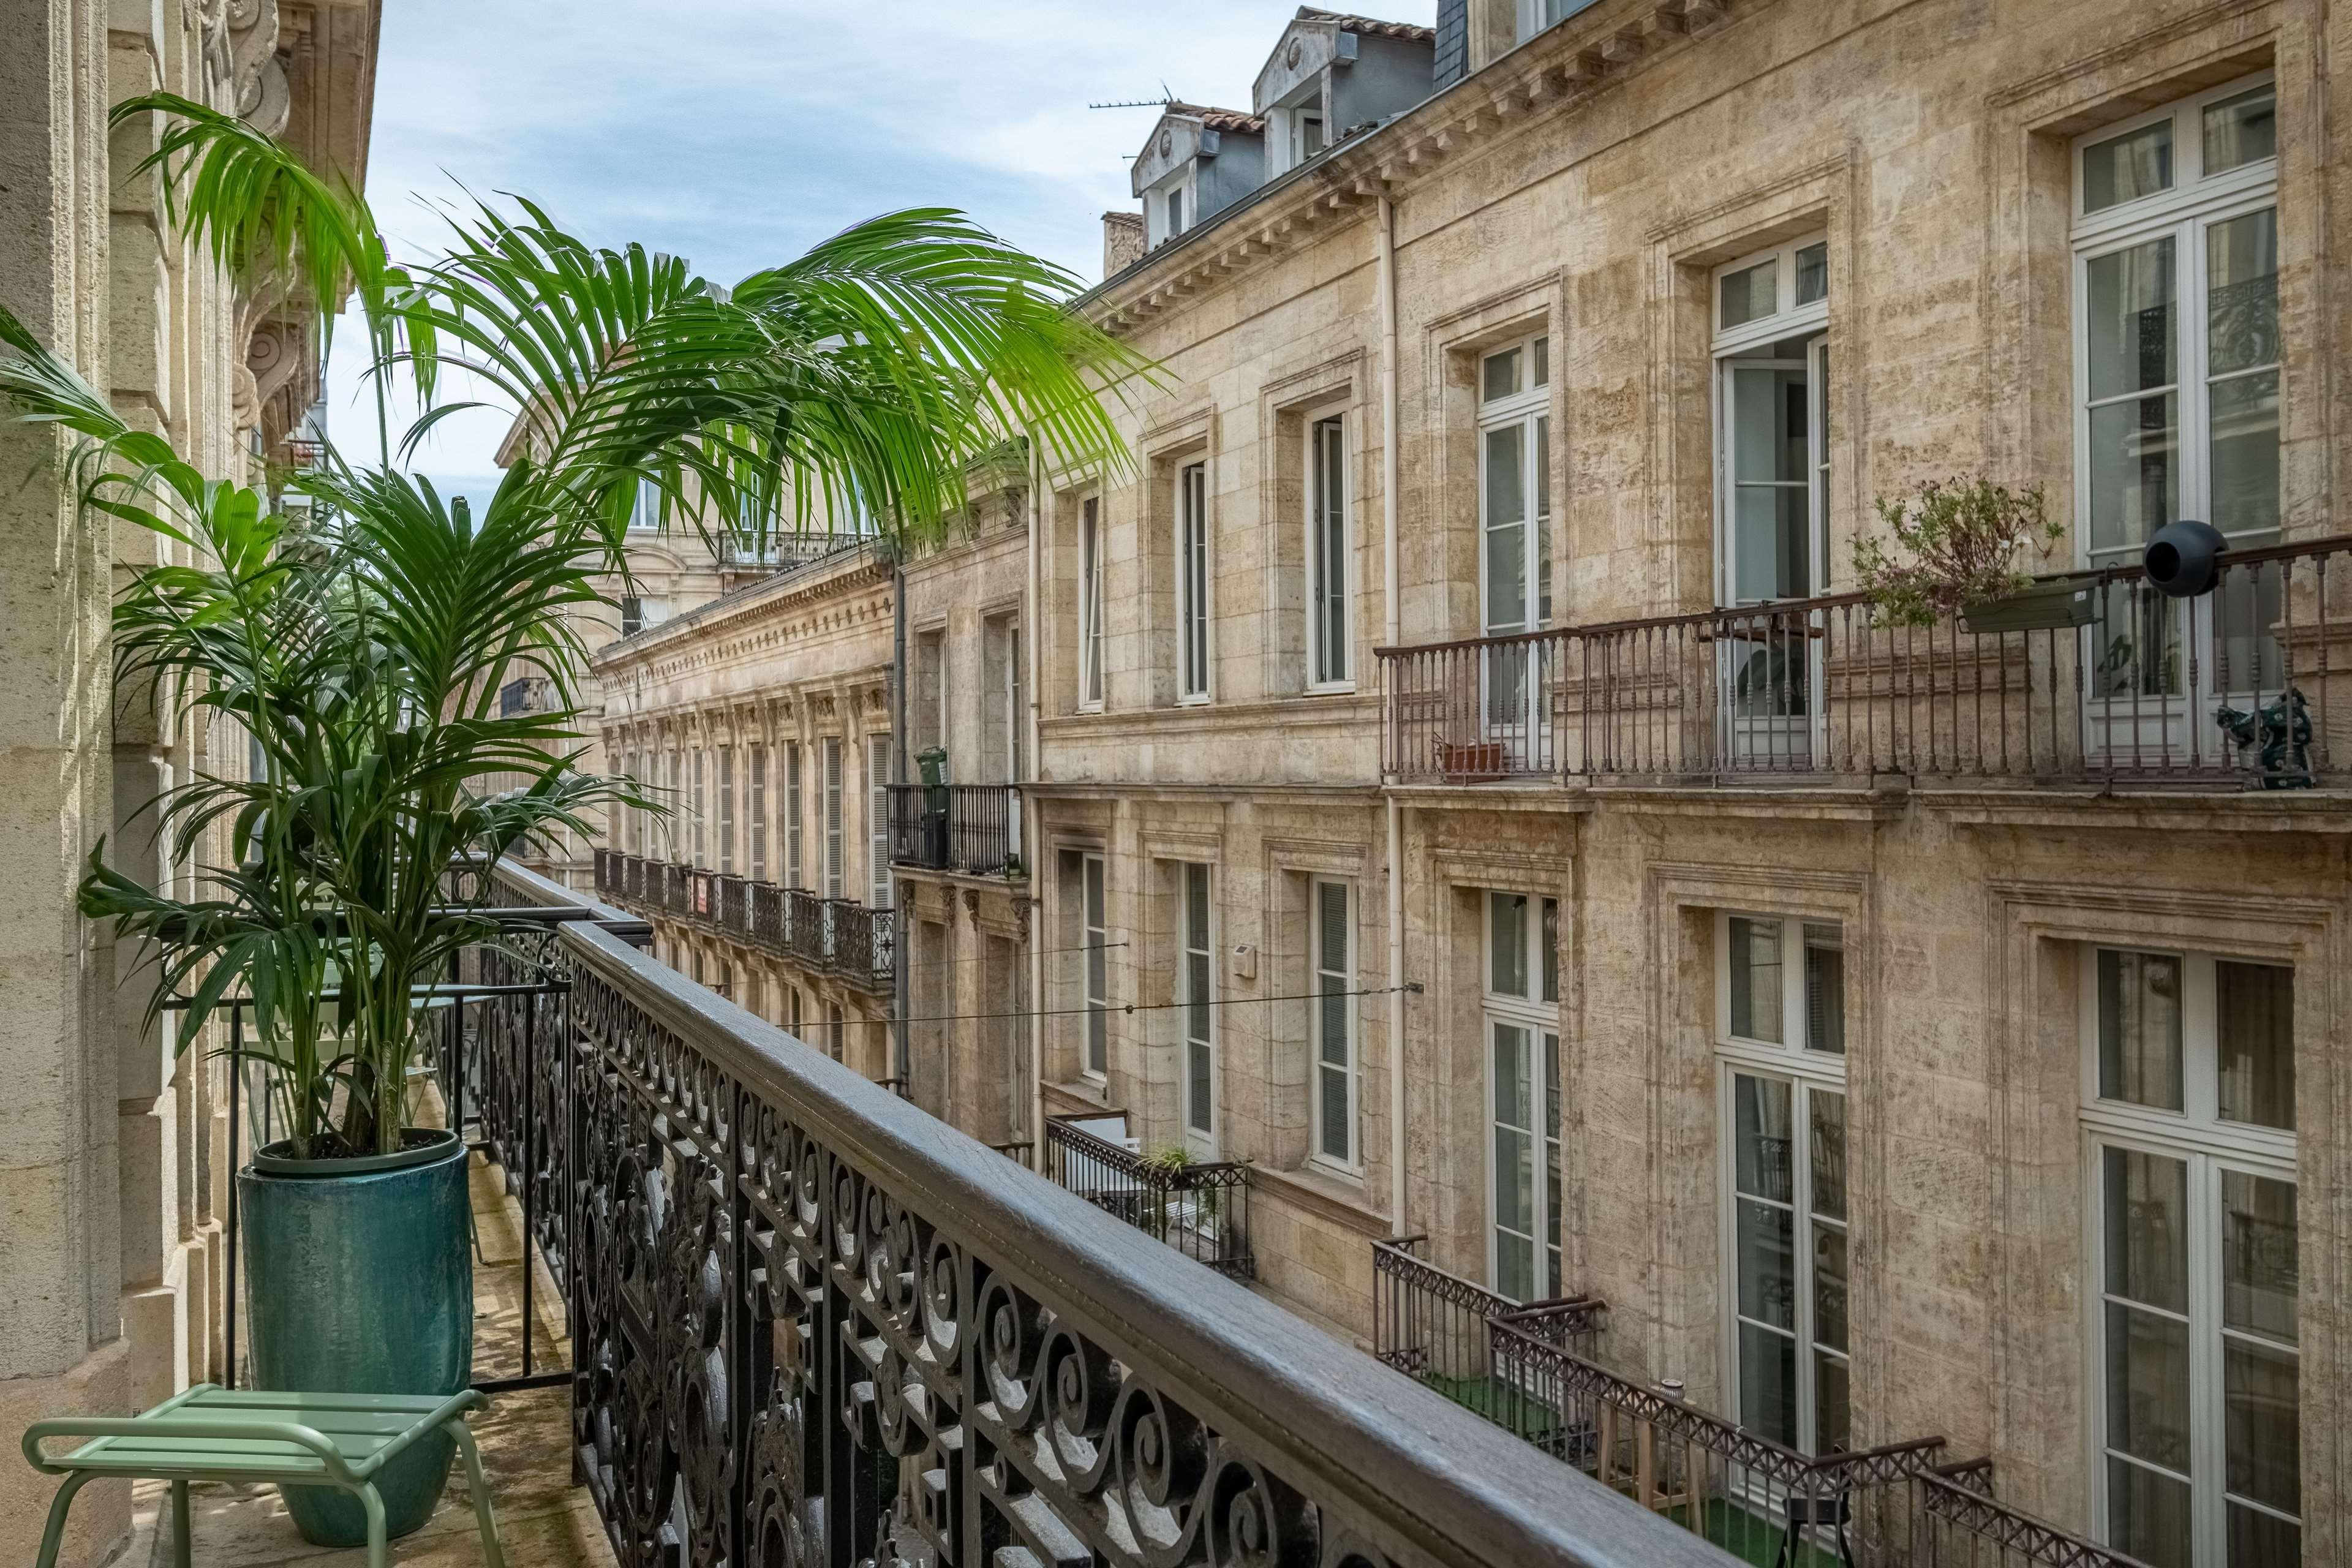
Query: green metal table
[(214, 1434)]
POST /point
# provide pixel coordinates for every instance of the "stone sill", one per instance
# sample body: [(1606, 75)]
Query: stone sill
[(1327, 1197)]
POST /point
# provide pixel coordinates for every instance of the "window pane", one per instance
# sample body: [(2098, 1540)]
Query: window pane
[(1508, 968), (1768, 1383), (1832, 1405), (2244, 456), (2125, 168), (2148, 1387), (2241, 292), (2134, 474), (1759, 1109), (1813, 273), (2257, 1540), (1500, 375), (1515, 1267), (1756, 1012), (1543, 520), (2241, 129), (2260, 1404), (1515, 1088), (2145, 1200), (1828, 1154), (1767, 1265), (1514, 1177), (1828, 1285), (1335, 1114), (2129, 296), (2253, 1006), (1540, 362), (1506, 580), (2147, 1515), (1824, 990), (1751, 295), (2259, 1268), (2139, 1028), (1552, 949)]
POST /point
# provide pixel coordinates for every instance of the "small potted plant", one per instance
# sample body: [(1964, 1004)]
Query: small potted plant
[(1965, 539)]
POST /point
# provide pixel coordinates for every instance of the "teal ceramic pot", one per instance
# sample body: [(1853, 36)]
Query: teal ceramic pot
[(358, 1281)]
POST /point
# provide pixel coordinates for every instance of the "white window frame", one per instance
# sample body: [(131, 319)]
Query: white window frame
[(1748, 345), (1324, 981), (758, 803), (701, 812), (1094, 921), (1195, 583), (1537, 1014), (2194, 204), (1090, 605), (1805, 1071), (725, 763), (647, 506), (1179, 188), (831, 788), (2198, 1137), (1537, 16), (793, 813), (1200, 1136), (1529, 407), (877, 813), (1330, 664)]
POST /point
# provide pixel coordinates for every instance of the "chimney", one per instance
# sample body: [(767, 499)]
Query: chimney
[(1122, 241)]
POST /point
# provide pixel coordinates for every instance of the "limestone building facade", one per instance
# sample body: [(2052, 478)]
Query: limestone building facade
[(115, 1184), (1502, 822)]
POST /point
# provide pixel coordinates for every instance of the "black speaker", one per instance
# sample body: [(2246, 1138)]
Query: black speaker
[(2184, 559)]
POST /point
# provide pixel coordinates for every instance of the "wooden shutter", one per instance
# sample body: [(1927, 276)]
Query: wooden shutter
[(833, 882)]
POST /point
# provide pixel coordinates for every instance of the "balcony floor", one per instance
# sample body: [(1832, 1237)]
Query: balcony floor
[(543, 1521)]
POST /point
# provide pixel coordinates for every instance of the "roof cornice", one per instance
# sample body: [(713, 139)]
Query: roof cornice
[(1558, 67)]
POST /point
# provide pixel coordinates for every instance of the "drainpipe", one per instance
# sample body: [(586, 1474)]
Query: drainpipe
[(1032, 842), (1394, 621), (902, 1053)]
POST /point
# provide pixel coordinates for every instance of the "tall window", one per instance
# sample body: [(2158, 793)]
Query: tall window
[(1096, 940), (2177, 347), (1522, 1029), (1329, 555), (1196, 990), (1780, 1043), (2189, 1115), (1515, 486), (727, 809), (1337, 1090), (793, 1022), (836, 1028), (877, 819), (1090, 602), (649, 508), (701, 812), (833, 868), (759, 803), (1192, 581), (792, 814), (1771, 349), (633, 615)]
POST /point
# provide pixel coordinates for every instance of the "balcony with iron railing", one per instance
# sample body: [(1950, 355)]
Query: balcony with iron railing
[(1200, 1207), (808, 1323), (971, 828), (1532, 1370), (2091, 678), (853, 942)]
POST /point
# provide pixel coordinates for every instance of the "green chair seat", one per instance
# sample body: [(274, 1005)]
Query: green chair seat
[(214, 1434)]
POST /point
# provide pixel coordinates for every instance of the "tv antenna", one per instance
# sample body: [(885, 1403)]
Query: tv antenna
[(1165, 99)]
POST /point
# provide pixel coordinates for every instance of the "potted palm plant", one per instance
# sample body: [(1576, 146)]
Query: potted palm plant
[(361, 639)]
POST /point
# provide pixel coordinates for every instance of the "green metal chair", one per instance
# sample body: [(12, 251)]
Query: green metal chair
[(214, 1434)]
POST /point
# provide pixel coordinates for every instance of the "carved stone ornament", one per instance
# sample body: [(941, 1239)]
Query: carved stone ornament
[(1167, 141), (1291, 59), (240, 49)]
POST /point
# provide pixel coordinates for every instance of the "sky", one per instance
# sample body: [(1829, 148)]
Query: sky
[(737, 132)]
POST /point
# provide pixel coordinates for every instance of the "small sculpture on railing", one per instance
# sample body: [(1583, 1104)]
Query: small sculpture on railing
[(2282, 731)]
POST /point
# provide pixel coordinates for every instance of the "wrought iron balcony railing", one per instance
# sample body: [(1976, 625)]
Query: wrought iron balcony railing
[(1438, 1327), (840, 936), (2234, 689), (971, 828), (1200, 1207), (811, 1324)]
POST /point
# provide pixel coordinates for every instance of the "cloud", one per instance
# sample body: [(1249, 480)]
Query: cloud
[(737, 132)]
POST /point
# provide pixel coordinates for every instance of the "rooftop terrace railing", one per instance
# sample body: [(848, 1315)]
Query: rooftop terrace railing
[(2235, 690), (812, 1325)]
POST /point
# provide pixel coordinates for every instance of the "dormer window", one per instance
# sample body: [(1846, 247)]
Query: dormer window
[(1169, 209), (1306, 136)]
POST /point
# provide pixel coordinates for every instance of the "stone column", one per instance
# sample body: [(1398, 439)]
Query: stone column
[(60, 1328)]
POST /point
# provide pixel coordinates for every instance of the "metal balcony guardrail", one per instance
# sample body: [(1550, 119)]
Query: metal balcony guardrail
[(1959, 1524), (2233, 690), (1437, 1327), (1200, 1207), (971, 828), (850, 939), (809, 1323)]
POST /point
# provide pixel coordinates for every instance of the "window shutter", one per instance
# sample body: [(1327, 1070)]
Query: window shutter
[(792, 813), (832, 816), (759, 814), (878, 817)]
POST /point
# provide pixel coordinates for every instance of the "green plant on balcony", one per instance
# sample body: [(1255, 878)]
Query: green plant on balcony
[(1966, 539), (364, 648)]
